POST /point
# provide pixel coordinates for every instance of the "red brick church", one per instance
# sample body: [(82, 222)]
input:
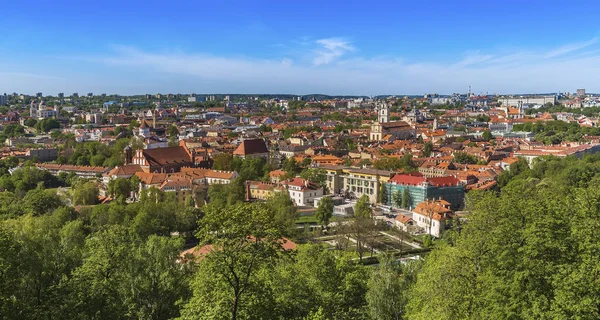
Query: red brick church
[(162, 160)]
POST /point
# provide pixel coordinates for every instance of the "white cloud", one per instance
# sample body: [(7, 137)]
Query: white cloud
[(330, 50), (568, 48), (129, 70), (512, 72)]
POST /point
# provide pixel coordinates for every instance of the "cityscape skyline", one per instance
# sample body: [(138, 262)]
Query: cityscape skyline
[(332, 48)]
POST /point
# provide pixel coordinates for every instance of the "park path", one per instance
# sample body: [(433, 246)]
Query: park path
[(412, 244)]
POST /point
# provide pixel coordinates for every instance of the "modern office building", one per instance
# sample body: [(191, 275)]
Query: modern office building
[(3, 99)]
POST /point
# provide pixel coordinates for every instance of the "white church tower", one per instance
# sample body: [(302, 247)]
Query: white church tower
[(383, 113), (33, 110)]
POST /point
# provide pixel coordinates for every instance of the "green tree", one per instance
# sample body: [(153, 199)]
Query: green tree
[(243, 237), (464, 158), (222, 161), (30, 122), (85, 193), (154, 280), (317, 283), (397, 199), (13, 130), (40, 201), (172, 131), (47, 124), (318, 176), (405, 199), (389, 288), (363, 207), (363, 230), (427, 149), (285, 211), (324, 211), (290, 165), (487, 135), (119, 188)]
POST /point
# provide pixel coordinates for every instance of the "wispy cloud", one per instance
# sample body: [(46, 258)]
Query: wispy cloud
[(569, 48), (330, 50), (521, 71), (473, 58), (328, 66)]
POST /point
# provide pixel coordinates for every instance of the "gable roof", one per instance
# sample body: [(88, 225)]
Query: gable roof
[(396, 124), (251, 146), (403, 219), (125, 170), (168, 156), (151, 178), (435, 209)]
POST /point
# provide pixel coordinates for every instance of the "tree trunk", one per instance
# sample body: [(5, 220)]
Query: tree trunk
[(235, 308)]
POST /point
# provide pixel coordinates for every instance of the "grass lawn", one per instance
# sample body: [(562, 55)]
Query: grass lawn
[(307, 219)]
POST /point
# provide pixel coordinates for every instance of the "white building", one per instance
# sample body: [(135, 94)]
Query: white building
[(220, 177), (526, 100), (303, 192), (431, 216), (42, 111), (434, 101)]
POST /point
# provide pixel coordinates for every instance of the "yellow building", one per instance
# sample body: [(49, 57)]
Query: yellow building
[(257, 190)]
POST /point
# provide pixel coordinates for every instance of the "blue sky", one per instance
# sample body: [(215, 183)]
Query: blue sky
[(300, 47)]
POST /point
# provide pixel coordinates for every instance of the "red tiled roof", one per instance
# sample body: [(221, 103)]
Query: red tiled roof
[(408, 179), (251, 146), (444, 181), (417, 178), (303, 184), (167, 156), (277, 173), (129, 169), (66, 167), (403, 219)]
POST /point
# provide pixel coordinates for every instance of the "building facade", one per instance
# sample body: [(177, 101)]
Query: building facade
[(526, 100), (421, 189), (303, 192)]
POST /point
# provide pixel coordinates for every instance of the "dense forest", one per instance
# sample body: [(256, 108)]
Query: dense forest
[(530, 251)]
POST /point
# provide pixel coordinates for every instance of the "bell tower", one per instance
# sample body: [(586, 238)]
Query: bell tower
[(384, 113)]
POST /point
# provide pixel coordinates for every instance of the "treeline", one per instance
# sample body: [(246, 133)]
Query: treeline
[(521, 253), (94, 153), (530, 252), (555, 132)]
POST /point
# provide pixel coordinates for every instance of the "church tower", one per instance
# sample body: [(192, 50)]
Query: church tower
[(33, 110), (384, 113)]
